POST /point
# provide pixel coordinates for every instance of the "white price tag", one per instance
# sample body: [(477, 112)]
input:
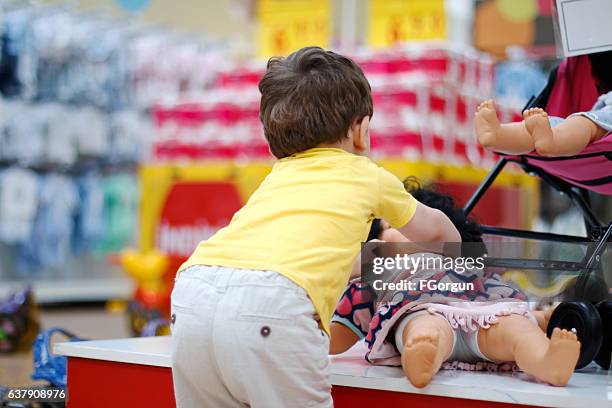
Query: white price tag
[(584, 26)]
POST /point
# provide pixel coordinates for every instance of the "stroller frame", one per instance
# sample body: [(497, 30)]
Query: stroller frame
[(598, 234)]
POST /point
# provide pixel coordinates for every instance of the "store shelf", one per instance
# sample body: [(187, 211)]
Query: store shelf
[(153, 351), (591, 386), (115, 285), (588, 387)]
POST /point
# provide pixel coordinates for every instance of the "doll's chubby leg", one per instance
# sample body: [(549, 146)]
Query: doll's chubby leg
[(510, 138), (543, 316), (516, 338), (427, 342), (568, 138)]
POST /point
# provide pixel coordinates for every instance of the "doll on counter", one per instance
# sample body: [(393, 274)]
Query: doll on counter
[(550, 135), (478, 329)]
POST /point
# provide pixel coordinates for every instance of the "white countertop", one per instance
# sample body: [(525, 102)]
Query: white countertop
[(590, 387), (153, 351)]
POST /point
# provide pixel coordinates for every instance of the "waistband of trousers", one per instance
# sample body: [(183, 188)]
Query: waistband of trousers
[(222, 277)]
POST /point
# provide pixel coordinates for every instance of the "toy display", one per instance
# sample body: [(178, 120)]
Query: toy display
[(18, 321), (423, 95), (573, 86), (476, 329)]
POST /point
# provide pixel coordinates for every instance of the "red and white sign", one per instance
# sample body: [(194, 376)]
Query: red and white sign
[(193, 212)]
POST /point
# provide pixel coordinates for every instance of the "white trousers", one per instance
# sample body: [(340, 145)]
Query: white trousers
[(246, 338)]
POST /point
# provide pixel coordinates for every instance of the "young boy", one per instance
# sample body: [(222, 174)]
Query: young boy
[(252, 305)]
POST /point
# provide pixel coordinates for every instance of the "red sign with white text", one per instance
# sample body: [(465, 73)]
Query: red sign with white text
[(193, 212)]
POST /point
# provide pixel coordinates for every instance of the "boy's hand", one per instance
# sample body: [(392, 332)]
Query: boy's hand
[(429, 225)]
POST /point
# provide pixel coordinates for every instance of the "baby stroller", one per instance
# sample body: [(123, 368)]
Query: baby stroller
[(570, 89)]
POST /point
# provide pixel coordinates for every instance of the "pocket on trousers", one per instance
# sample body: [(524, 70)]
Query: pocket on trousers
[(184, 296), (274, 304), (266, 317), (178, 308)]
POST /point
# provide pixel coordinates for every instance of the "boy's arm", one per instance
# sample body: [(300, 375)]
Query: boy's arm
[(430, 225), (417, 222)]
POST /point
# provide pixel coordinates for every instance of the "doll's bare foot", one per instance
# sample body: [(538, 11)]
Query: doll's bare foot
[(486, 124), (537, 124), (560, 359), (422, 358)]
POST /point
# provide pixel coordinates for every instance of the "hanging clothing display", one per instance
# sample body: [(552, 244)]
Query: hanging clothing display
[(89, 224), (19, 191), (121, 194), (50, 241)]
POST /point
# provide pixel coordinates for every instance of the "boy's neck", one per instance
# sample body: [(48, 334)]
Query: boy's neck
[(345, 144)]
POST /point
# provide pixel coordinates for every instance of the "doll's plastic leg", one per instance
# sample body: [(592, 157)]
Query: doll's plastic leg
[(568, 138), (516, 338), (342, 338), (510, 138), (428, 342), (543, 316)]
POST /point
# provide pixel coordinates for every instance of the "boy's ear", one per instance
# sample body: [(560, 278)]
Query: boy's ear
[(361, 141)]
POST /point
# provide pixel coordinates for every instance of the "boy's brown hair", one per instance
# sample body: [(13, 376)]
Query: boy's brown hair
[(310, 98)]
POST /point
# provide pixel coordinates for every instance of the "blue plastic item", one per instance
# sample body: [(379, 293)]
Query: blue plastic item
[(48, 366), (154, 326)]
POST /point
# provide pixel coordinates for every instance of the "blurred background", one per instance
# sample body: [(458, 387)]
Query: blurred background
[(129, 132)]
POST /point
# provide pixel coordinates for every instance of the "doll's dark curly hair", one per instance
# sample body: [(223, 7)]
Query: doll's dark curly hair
[(601, 69)]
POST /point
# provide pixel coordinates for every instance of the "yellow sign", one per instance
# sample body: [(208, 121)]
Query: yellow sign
[(287, 25), (393, 21)]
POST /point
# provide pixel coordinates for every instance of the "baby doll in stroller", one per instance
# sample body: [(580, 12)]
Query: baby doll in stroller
[(481, 328), (550, 135)]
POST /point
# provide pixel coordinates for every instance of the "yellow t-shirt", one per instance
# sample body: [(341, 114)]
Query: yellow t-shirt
[(307, 220)]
